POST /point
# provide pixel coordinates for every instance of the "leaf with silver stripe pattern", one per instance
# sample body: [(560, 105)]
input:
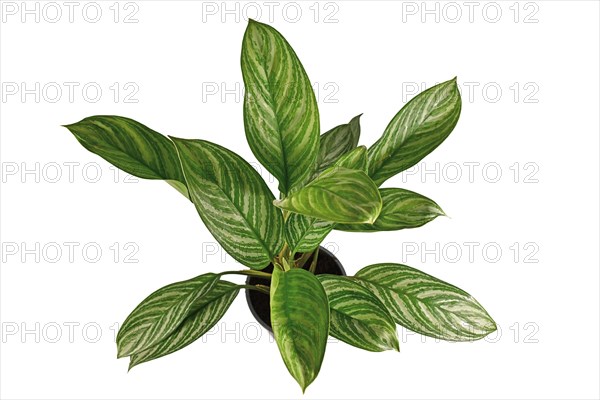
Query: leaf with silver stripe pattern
[(300, 321), (233, 201), (402, 209), (338, 195), (132, 147), (161, 313), (425, 304), (357, 317), (336, 142), (206, 312), (415, 131), (281, 117), (303, 233), (354, 159)]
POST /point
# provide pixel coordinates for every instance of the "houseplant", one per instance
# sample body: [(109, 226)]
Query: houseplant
[(326, 182)]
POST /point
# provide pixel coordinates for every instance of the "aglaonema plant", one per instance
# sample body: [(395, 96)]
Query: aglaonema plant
[(326, 182)]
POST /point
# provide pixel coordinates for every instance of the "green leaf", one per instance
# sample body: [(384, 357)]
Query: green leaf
[(339, 195), (304, 234), (418, 128), (132, 147), (233, 201), (357, 316), (355, 159), (281, 118), (161, 313), (425, 304), (206, 312), (337, 142), (402, 209), (300, 320)]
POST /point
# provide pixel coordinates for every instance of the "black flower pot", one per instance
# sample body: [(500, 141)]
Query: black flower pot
[(259, 303)]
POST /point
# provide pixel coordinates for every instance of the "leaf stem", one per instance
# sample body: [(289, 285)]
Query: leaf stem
[(257, 274), (258, 288), (284, 253), (313, 265), (303, 259)]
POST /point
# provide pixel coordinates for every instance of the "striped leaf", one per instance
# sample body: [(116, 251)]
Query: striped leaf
[(425, 304), (281, 118), (304, 234), (339, 195), (418, 128), (357, 317), (206, 312), (300, 320), (233, 201), (161, 313), (337, 142), (132, 147), (402, 209), (355, 159)]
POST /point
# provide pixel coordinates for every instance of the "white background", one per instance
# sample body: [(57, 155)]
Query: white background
[(368, 57)]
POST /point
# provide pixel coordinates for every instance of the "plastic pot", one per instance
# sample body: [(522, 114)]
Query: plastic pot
[(259, 302)]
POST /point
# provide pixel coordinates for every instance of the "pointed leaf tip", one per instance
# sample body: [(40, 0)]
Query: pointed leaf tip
[(425, 304), (131, 147), (300, 319), (415, 131), (401, 209), (281, 116), (335, 143)]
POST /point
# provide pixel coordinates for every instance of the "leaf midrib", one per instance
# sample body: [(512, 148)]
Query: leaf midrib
[(405, 296), (115, 149), (289, 321), (364, 323), (276, 114), (305, 234), (398, 148), (248, 225), (344, 201)]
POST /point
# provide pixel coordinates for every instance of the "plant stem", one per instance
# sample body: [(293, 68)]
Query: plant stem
[(303, 259), (284, 254), (313, 265), (257, 274), (258, 288), (284, 251), (264, 287)]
